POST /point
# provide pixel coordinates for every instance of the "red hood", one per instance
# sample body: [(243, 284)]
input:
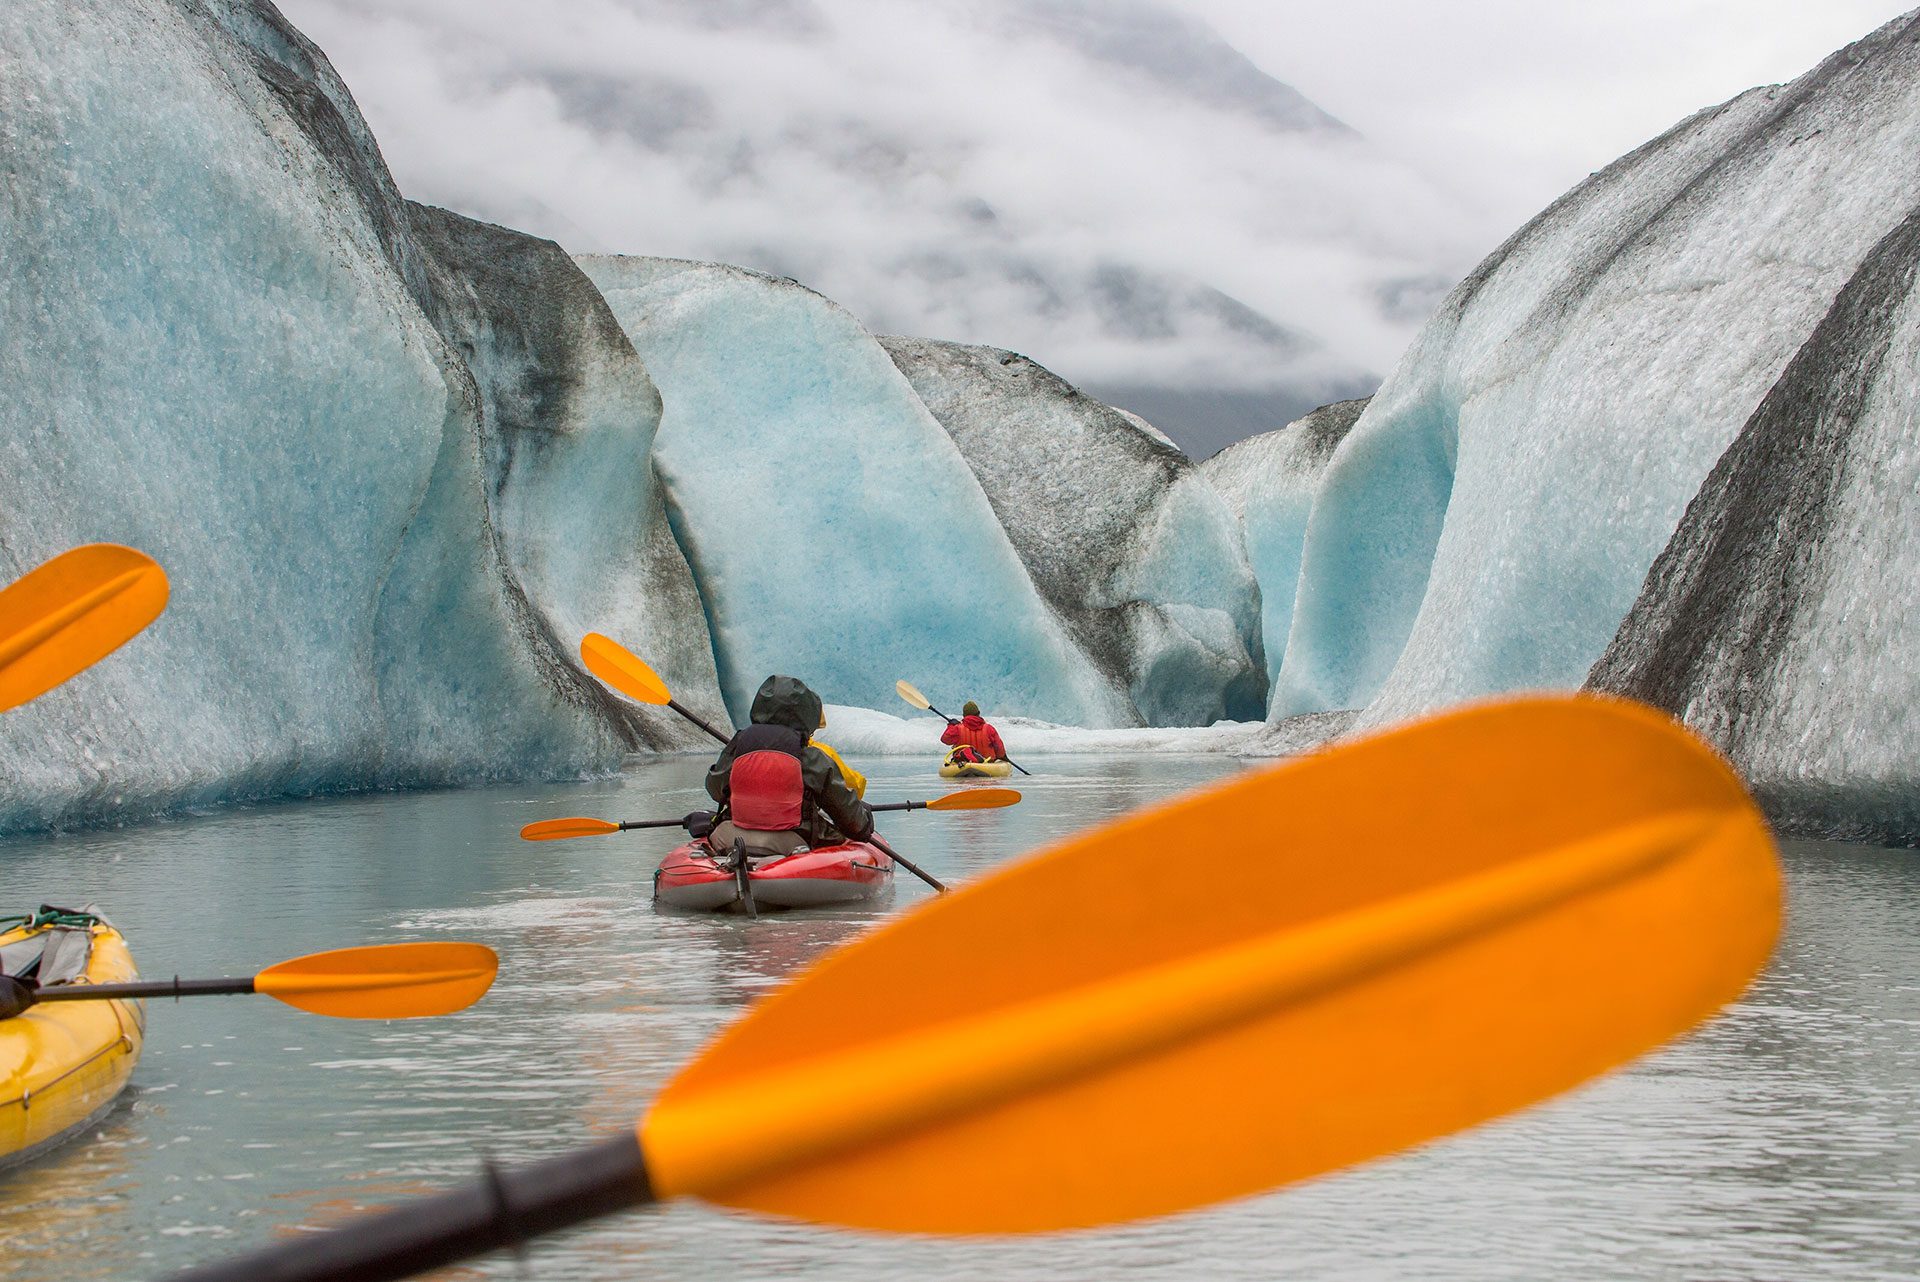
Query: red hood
[(973, 721)]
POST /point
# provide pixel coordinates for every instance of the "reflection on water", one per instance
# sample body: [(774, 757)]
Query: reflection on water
[(1782, 1141)]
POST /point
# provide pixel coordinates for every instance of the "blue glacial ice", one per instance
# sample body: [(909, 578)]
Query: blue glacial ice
[(223, 344), (1270, 481), (833, 527), (1491, 517), (397, 462), (1127, 543)]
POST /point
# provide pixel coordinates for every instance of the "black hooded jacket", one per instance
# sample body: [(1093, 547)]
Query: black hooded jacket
[(785, 715)]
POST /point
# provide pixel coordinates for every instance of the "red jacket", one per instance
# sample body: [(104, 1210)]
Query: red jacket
[(974, 731)]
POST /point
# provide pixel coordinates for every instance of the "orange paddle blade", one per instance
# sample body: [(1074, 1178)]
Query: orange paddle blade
[(558, 829), (976, 799), (620, 668), (385, 981), (911, 695), (70, 613), (1301, 968)]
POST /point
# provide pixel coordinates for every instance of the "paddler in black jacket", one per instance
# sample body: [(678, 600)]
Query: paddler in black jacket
[(765, 799)]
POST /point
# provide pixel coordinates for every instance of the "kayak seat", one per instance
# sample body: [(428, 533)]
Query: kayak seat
[(759, 842), (58, 955)]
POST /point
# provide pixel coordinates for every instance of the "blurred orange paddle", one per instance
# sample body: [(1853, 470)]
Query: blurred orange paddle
[(70, 613), (1449, 921)]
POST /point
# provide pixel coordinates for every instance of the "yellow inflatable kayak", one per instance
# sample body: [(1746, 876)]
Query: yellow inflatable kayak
[(951, 769), (63, 1064)]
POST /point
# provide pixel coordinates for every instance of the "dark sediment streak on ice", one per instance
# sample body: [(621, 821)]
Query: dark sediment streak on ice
[(1722, 626), (529, 337), (547, 361)]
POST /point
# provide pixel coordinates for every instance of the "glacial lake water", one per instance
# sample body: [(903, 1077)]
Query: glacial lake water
[(1782, 1141)]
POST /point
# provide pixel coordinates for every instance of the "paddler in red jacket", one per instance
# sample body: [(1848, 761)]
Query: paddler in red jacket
[(972, 731)]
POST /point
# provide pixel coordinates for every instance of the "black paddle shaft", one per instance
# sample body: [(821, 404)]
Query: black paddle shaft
[(894, 855), (690, 715), (506, 1208), (175, 987)]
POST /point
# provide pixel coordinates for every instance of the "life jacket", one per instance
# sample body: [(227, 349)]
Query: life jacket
[(765, 791), (973, 731), (855, 780)]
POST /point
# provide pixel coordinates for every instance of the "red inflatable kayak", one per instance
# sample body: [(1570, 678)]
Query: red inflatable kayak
[(691, 876)]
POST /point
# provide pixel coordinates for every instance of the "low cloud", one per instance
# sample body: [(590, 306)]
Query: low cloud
[(1108, 187)]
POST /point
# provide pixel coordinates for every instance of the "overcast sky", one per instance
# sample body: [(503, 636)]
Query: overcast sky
[(1525, 98), (1125, 190)]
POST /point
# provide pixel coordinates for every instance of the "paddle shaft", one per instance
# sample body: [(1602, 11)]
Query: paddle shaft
[(875, 838), (175, 987), (895, 855), (681, 823), (690, 715), (505, 1209)]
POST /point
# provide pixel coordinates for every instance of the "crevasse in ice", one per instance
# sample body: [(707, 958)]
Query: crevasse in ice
[(1491, 517), (1269, 481), (1129, 546), (834, 529), (215, 349)]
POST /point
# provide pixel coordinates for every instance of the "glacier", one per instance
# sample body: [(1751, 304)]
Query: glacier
[(1491, 517), (1121, 534), (834, 528), (1269, 482), (223, 342), (397, 461)]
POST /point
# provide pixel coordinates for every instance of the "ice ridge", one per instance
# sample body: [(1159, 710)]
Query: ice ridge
[(1491, 517), (1119, 532)]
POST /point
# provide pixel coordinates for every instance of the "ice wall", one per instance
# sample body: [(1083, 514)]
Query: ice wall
[(1491, 517), (1269, 482), (1121, 535), (215, 349), (567, 418), (835, 530), (1780, 620)]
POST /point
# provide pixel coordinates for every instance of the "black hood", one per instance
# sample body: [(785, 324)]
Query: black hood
[(786, 701)]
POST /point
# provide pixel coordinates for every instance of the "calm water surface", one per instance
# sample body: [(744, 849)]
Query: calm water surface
[(1783, 1141)]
